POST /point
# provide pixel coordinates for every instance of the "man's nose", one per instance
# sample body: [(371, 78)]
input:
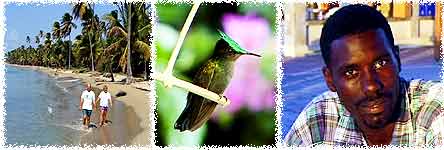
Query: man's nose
[(372, 84)]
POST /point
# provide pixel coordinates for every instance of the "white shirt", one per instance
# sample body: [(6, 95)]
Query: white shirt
[(104, 97), (88, 99)]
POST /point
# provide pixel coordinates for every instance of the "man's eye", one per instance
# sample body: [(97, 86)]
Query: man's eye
[(350, 73), (380, 63)]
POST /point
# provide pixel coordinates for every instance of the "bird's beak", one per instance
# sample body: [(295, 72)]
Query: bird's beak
[(248, 53)]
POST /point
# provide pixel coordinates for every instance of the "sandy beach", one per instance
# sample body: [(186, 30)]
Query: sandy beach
[(130, 114)]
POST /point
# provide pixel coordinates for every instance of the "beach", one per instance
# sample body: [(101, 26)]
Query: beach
[(129, 116)]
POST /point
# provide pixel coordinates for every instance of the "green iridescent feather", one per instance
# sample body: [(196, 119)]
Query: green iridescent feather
[(232, 43)]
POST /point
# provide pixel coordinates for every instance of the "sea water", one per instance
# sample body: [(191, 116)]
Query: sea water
[(41, 109)]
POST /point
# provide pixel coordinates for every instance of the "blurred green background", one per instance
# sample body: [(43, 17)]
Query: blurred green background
[(250, 118)]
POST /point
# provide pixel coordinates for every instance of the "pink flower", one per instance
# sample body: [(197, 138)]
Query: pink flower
[(248, 87)]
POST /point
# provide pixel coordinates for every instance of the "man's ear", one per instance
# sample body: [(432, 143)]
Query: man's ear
[(398, 59), (328, 79)]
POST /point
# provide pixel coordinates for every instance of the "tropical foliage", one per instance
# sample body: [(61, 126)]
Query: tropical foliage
[(102, 44)]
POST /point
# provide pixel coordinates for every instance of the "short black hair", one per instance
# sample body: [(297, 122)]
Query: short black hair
[(349, 20)]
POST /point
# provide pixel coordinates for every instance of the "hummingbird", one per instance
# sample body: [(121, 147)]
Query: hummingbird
[(214, 75)]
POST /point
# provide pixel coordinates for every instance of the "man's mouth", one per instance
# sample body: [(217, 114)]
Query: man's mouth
[(373, 107)]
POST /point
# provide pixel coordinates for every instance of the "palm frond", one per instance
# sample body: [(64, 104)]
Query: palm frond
[(113, 46), (143, 48), (84, 48), (117, 31), (123, 59), (144, 28)]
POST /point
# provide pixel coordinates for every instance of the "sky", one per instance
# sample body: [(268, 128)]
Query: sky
[(28, 19)]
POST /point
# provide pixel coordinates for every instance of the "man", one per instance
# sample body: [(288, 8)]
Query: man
[(105, 104), (368, 102), (87, 104)]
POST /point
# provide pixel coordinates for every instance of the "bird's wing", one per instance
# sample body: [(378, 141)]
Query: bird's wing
[(195, 103), (203, 108)]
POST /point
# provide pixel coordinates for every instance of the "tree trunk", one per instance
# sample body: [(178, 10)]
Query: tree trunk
[(146, 71), (129, 71), (69, 52), (91, 51), (111, 71)]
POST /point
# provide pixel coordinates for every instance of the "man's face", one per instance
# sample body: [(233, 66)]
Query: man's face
[(363, 70), (88, 87)]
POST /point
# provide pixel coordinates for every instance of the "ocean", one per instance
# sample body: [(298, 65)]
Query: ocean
[(40, 109), (43, 110)]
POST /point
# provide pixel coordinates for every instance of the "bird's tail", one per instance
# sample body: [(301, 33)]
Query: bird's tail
[(192, 120), (183, 122)]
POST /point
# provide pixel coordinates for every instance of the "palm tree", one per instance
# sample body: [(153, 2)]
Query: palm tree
[(47, 39), (67, 26), (110, 53), (128, 33), (57, 46), (46, 49), (129, 70), (121, 41), (56, 32), (143, 31), (81, 50), (85, 12), (37, 39), (28, 40), (41, 34)]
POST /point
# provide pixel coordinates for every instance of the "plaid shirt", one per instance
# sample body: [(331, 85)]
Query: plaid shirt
[(326, 121)]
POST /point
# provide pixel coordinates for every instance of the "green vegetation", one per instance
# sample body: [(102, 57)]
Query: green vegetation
[(101, 46)]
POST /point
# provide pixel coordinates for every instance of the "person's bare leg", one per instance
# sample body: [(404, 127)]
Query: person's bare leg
[(101, 117), (104, 116), (87, 121), (84, 120)]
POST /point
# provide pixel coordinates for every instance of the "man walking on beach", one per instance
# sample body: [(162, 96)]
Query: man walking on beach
[(87, 104), (105, 104)]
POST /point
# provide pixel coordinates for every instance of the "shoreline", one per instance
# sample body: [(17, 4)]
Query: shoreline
[(136, 101)]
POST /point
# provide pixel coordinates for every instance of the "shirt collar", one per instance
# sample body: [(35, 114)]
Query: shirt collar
[(402, 124)]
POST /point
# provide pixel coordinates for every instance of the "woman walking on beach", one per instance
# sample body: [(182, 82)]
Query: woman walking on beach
[(105, 104), (87, 104)]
